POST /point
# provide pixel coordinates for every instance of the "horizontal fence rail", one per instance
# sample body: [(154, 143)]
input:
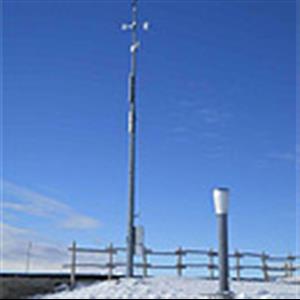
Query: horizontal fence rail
[(265, 266)]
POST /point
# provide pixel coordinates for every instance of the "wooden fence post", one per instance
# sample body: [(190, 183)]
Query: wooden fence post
[(265, 268), (211, 265), (290, 261), (145, 262), (110, 261), (238, 257), (286, 270), (179, 253), (73, 266)]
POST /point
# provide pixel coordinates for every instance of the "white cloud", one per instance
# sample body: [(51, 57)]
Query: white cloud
[(292, 158), (298, 155), (213, 116), (29, 202), (79, 222), (45, 256), (287, 156), (193, 117)]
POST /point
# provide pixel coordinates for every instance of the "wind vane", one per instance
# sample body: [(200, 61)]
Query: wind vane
[(134, 27)]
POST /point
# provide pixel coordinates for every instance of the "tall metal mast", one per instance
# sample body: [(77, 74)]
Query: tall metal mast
[(134, 28)]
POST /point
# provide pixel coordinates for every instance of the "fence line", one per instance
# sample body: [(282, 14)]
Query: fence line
[(269, 266)]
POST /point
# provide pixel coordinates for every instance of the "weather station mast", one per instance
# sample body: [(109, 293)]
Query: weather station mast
[(134, 27)]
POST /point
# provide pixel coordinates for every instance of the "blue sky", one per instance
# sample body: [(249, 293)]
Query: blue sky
[(216, 102)]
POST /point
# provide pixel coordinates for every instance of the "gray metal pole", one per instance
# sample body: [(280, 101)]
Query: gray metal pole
[(223, 254), (132, 145), (133, 27), (221, 200), (28, 257)]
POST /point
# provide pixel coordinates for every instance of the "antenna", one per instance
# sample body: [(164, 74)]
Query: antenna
[(28, 256), (134, 27)]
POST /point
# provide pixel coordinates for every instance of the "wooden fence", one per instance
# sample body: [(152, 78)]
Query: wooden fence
[(265, 266)]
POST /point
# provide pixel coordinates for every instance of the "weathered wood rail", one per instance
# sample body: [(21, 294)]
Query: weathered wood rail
[(262, 266)]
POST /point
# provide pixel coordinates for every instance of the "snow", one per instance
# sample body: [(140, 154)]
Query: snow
[(177, 288)]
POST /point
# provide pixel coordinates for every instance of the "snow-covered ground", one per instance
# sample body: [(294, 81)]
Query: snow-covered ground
[(176, 288)]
